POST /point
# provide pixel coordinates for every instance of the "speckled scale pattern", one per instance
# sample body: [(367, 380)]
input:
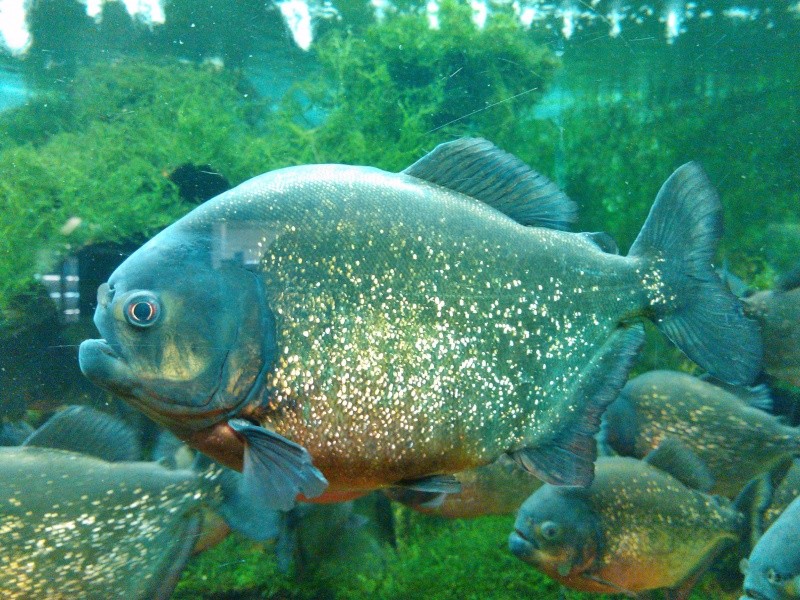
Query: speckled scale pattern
[(418, 329), (717, 426), (655, 523), (77, 527)]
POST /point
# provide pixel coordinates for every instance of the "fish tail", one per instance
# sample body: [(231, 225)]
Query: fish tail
[(687, 300)]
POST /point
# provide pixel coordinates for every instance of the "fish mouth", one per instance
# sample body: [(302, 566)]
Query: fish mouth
[(753, 594), (522, 547), (106, 368), (101, 364)]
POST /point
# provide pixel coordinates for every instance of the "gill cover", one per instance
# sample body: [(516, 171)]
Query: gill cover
[(188, 333)]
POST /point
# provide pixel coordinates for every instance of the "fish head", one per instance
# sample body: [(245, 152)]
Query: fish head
[(556, 531), (767, 580), (186, 337)]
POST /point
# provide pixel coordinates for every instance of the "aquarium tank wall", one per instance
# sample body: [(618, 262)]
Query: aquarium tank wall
[(118, 118)]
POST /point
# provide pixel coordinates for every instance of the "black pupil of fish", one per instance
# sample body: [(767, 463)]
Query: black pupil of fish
[(142, 312)]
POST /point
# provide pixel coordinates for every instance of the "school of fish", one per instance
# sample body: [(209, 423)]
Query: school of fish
[(440, 336)]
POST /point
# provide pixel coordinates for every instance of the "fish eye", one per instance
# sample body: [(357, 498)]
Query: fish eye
[(550, 530), (142, 310), (774, 577)]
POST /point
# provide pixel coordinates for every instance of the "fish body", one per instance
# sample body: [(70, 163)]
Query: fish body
[(635, 528), (344, 328), (735, 440), (75, 526), (772, 572), (498, 488), (778, 312)]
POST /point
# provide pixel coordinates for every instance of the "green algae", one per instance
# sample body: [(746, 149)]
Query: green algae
[(100, 173)]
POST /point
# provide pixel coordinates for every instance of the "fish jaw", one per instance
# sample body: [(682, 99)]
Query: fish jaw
[(754, 591), (758, 587), (106, 369), (522, 548)]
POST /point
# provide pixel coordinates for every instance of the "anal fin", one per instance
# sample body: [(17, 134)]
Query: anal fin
[(437, 484), (425, 492), (568, 458), (276, 470)]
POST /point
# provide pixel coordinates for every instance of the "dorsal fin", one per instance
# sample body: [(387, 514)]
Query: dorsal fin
[(477, 168), (676, 459), (757, 396), (87, 431)]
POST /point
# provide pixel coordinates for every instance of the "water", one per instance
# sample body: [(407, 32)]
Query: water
[(119, 118)]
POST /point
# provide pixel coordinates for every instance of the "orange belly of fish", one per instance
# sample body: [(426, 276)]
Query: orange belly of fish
[(348, 478)]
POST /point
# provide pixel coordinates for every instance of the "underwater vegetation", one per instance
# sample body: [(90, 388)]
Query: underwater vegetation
[(101, 173)]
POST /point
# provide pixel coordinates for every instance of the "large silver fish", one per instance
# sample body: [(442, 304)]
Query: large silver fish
[(341, 326)]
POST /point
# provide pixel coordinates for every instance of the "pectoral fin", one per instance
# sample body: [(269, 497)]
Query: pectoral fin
[(439, 484), (276, 469), (568, 458), (425, 492), (609, 584)]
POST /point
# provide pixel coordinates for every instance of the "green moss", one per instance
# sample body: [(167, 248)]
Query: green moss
[(401, 87), (435, 558), (106, 167), (235, 566)]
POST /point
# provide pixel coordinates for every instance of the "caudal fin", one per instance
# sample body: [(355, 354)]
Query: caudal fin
[(689, 302)]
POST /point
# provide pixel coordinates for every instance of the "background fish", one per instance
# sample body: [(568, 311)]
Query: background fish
[(341, 326), (735, 440), (772, 572), (778, 312), (636, 528), (77, 526), (494, 489)]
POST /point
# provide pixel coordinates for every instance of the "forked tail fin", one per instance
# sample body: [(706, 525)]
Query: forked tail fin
[(688, 301)]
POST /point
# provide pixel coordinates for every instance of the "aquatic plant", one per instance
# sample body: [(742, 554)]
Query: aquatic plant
[(617, 156), (100, 172), (400, 87)]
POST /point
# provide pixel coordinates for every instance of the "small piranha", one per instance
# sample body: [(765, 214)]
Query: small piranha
[(75, 525), (772, 572), (640, 525), (331, 330), (712, 420), (778, 312), (494, 489)]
